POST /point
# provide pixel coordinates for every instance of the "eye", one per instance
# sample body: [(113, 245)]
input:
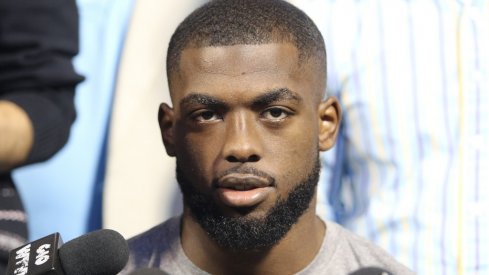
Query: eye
[(205, 116), (275, 113)]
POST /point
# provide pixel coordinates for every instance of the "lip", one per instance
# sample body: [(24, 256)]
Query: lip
[(242, 182), (243, 190)]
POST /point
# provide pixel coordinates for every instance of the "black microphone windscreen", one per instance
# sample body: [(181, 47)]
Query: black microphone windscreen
[(101, 252), (371, 271), (149, 271)]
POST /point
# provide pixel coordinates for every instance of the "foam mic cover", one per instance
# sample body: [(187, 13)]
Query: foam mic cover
[(101, 252), (371, 271), (149, 271)]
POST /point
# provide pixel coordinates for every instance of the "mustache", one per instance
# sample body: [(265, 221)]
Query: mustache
[(248, 171)]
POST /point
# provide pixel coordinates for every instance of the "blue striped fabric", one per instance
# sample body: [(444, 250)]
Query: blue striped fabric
[(411, 170)]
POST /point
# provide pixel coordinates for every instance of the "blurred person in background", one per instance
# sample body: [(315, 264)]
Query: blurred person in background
[(67, 195), (110, 71), (38, 40), (409, 170)]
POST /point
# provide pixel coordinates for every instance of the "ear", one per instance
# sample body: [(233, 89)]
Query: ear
[(329, 112), (165, 119)]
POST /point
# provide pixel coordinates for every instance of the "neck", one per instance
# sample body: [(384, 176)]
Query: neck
[(293, 253)]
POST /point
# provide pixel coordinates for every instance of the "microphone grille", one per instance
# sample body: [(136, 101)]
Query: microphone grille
[(101, 252)]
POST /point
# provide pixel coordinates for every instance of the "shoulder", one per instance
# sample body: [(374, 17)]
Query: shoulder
[(358, 252), (343, 252), (156, 233), (155, 243)]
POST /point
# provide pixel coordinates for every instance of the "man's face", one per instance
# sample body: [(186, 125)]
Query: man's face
[(244, 127)]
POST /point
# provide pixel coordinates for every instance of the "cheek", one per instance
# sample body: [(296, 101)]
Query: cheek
[(197, 152), (300, 139), (294, 152)]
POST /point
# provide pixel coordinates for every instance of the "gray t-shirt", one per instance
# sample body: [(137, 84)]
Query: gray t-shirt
[(342, 252)]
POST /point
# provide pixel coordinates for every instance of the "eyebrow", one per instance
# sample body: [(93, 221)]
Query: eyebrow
[(275, 95), (203, 99), (271, 96)]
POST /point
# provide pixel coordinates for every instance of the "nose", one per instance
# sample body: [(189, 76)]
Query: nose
[(242, 142)]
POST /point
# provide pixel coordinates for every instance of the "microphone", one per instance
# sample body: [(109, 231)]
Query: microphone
[(149, 271), (371, 271), (101, 252)]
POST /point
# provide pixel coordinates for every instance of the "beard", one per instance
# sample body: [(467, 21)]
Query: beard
[(245, 233)]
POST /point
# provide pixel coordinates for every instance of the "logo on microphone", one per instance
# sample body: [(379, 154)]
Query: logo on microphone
[(37, 257), (22, 260), (42, 254)]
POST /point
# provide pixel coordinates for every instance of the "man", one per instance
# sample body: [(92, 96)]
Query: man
[(247, 80)]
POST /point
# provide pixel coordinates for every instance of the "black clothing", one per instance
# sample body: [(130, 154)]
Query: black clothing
[(38, 40)]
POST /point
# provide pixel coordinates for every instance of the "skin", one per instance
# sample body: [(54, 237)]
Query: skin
[(17, 135), (249, 106)]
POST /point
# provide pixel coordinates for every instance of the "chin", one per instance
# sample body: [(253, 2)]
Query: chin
[(249, 228)]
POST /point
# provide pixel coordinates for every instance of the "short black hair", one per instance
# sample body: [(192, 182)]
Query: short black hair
[(247, 22)]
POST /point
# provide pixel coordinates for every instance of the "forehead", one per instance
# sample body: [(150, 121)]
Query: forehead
[(243, 69)]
